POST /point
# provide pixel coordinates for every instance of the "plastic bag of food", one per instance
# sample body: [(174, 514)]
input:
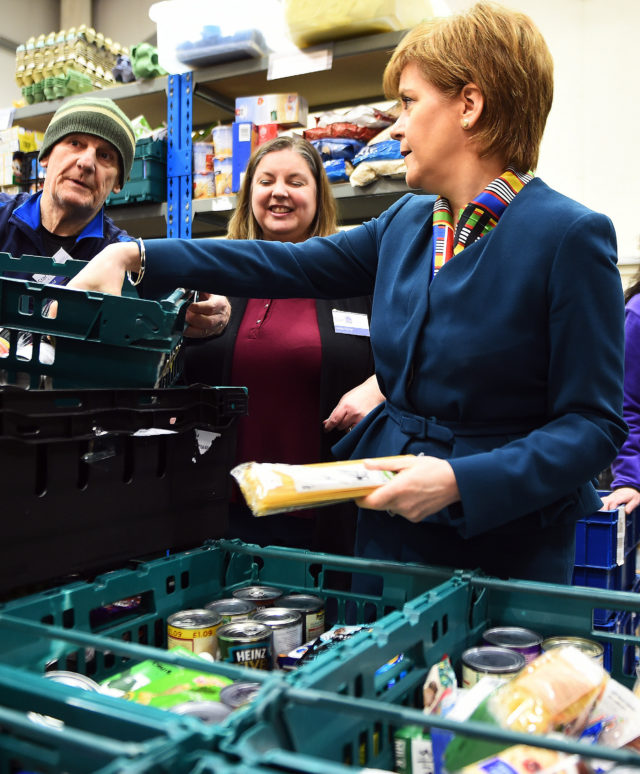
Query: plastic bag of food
[(554, 692), (277, 488)]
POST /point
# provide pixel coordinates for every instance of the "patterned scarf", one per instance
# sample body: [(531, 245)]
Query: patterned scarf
[(476, 219)]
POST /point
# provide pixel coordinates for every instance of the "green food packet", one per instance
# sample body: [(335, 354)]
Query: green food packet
[(164, 685), (413, 751)]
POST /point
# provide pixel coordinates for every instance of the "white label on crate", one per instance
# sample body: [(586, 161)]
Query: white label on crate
[(309, 61), (622, 525), (204, 439), (244, 132)]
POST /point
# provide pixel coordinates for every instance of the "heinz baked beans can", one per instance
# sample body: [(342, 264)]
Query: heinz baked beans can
[(261, 596), (246, 643), (231, 609), (312, 610), (286, 626), (195, 630)]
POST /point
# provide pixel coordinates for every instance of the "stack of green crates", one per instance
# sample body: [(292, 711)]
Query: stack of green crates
[(334, 713), (148, 179)]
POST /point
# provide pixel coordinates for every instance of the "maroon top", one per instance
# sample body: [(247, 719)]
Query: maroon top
[(278, 357)]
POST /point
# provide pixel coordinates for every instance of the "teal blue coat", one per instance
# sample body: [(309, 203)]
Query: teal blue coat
[(509, 363)]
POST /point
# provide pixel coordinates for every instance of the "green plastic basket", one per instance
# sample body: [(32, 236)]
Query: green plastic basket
[(99, 340), (100, 733)]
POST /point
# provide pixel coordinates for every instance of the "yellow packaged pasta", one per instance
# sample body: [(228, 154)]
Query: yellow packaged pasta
[(270, 488)]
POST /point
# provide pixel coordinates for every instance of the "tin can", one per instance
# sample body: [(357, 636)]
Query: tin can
[(312, 610), (68, 678), (72, 678), (261, 596), (231, 609), (195, 630), (485, 660), (589, 647), (207, 711), (286, 626), (239, 693), (515, 638), (246, 643)]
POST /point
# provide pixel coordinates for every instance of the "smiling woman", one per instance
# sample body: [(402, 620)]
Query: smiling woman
[(296, 356)]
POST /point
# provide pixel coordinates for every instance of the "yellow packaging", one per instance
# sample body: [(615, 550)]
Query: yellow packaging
[(276, 488), (350, 18)]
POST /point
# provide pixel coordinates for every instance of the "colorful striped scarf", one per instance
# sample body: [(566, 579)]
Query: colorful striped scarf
[(476, 219)]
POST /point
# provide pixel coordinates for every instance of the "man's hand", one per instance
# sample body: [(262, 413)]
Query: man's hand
[(208, 316)]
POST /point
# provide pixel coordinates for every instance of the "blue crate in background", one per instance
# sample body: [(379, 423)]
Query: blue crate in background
[(616, 578), (624, 622), (604, 538)]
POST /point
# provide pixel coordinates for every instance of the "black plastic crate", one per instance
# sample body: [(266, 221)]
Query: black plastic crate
[(94, 478)]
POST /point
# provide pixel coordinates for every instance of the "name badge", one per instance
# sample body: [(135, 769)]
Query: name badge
[(350, 322)]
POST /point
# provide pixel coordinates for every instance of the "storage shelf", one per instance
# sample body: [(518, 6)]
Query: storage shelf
[(210, 216), (355, 78)]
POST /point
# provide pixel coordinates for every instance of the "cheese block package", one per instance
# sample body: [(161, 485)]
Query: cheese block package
[(270, 488)]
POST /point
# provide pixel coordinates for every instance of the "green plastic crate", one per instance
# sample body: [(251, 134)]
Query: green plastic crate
[(148, 178), (100, 340), (354, 708), (100, 733)]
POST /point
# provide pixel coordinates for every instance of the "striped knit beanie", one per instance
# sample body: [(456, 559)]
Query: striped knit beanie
[(93, 115)]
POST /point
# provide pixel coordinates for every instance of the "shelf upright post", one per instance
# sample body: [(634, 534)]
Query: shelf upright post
[(179, 154)]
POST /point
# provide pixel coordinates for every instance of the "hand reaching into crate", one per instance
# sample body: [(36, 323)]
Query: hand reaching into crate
[(208, 316)]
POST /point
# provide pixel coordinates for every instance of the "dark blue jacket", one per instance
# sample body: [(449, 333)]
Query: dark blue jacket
[(20, 219)]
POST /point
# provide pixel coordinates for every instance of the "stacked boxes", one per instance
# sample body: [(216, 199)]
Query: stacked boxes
[(148, 179), (204, 186), (222, 163), (287, 110), (245, 141), (16, 143)]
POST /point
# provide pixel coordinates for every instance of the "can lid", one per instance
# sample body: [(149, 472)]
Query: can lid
[(72, 678), (257, 592), (278, 616), (231, 605), (194, 618), (239, 693), (493, 660), (208, 711), (512, 637), (590, 647), (244, 630)]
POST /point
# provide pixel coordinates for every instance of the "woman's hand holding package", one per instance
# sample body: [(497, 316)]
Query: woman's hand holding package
[(354, 405), (422, 487), (208, 316)]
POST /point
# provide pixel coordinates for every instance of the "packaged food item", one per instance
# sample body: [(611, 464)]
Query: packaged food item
[(523, 641), (412, 751), (524, 759), (163, 685), (325, 641), (311, 608), (557, 690), (194, 629), (440, 688), (286, 629), (276, 487)]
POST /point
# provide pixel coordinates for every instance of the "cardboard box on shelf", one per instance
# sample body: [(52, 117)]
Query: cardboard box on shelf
[(267, 132), (283, 109), (245, 141)]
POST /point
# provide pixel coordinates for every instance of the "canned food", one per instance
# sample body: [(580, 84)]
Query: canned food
[(246, 643), (589, 647), (286, 626), (68, 678), (232, 609), (484, 660), (195, 630), (207, 711), (515, 638), (72, 678), (312, 610), (237, 694), (261, 596)]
